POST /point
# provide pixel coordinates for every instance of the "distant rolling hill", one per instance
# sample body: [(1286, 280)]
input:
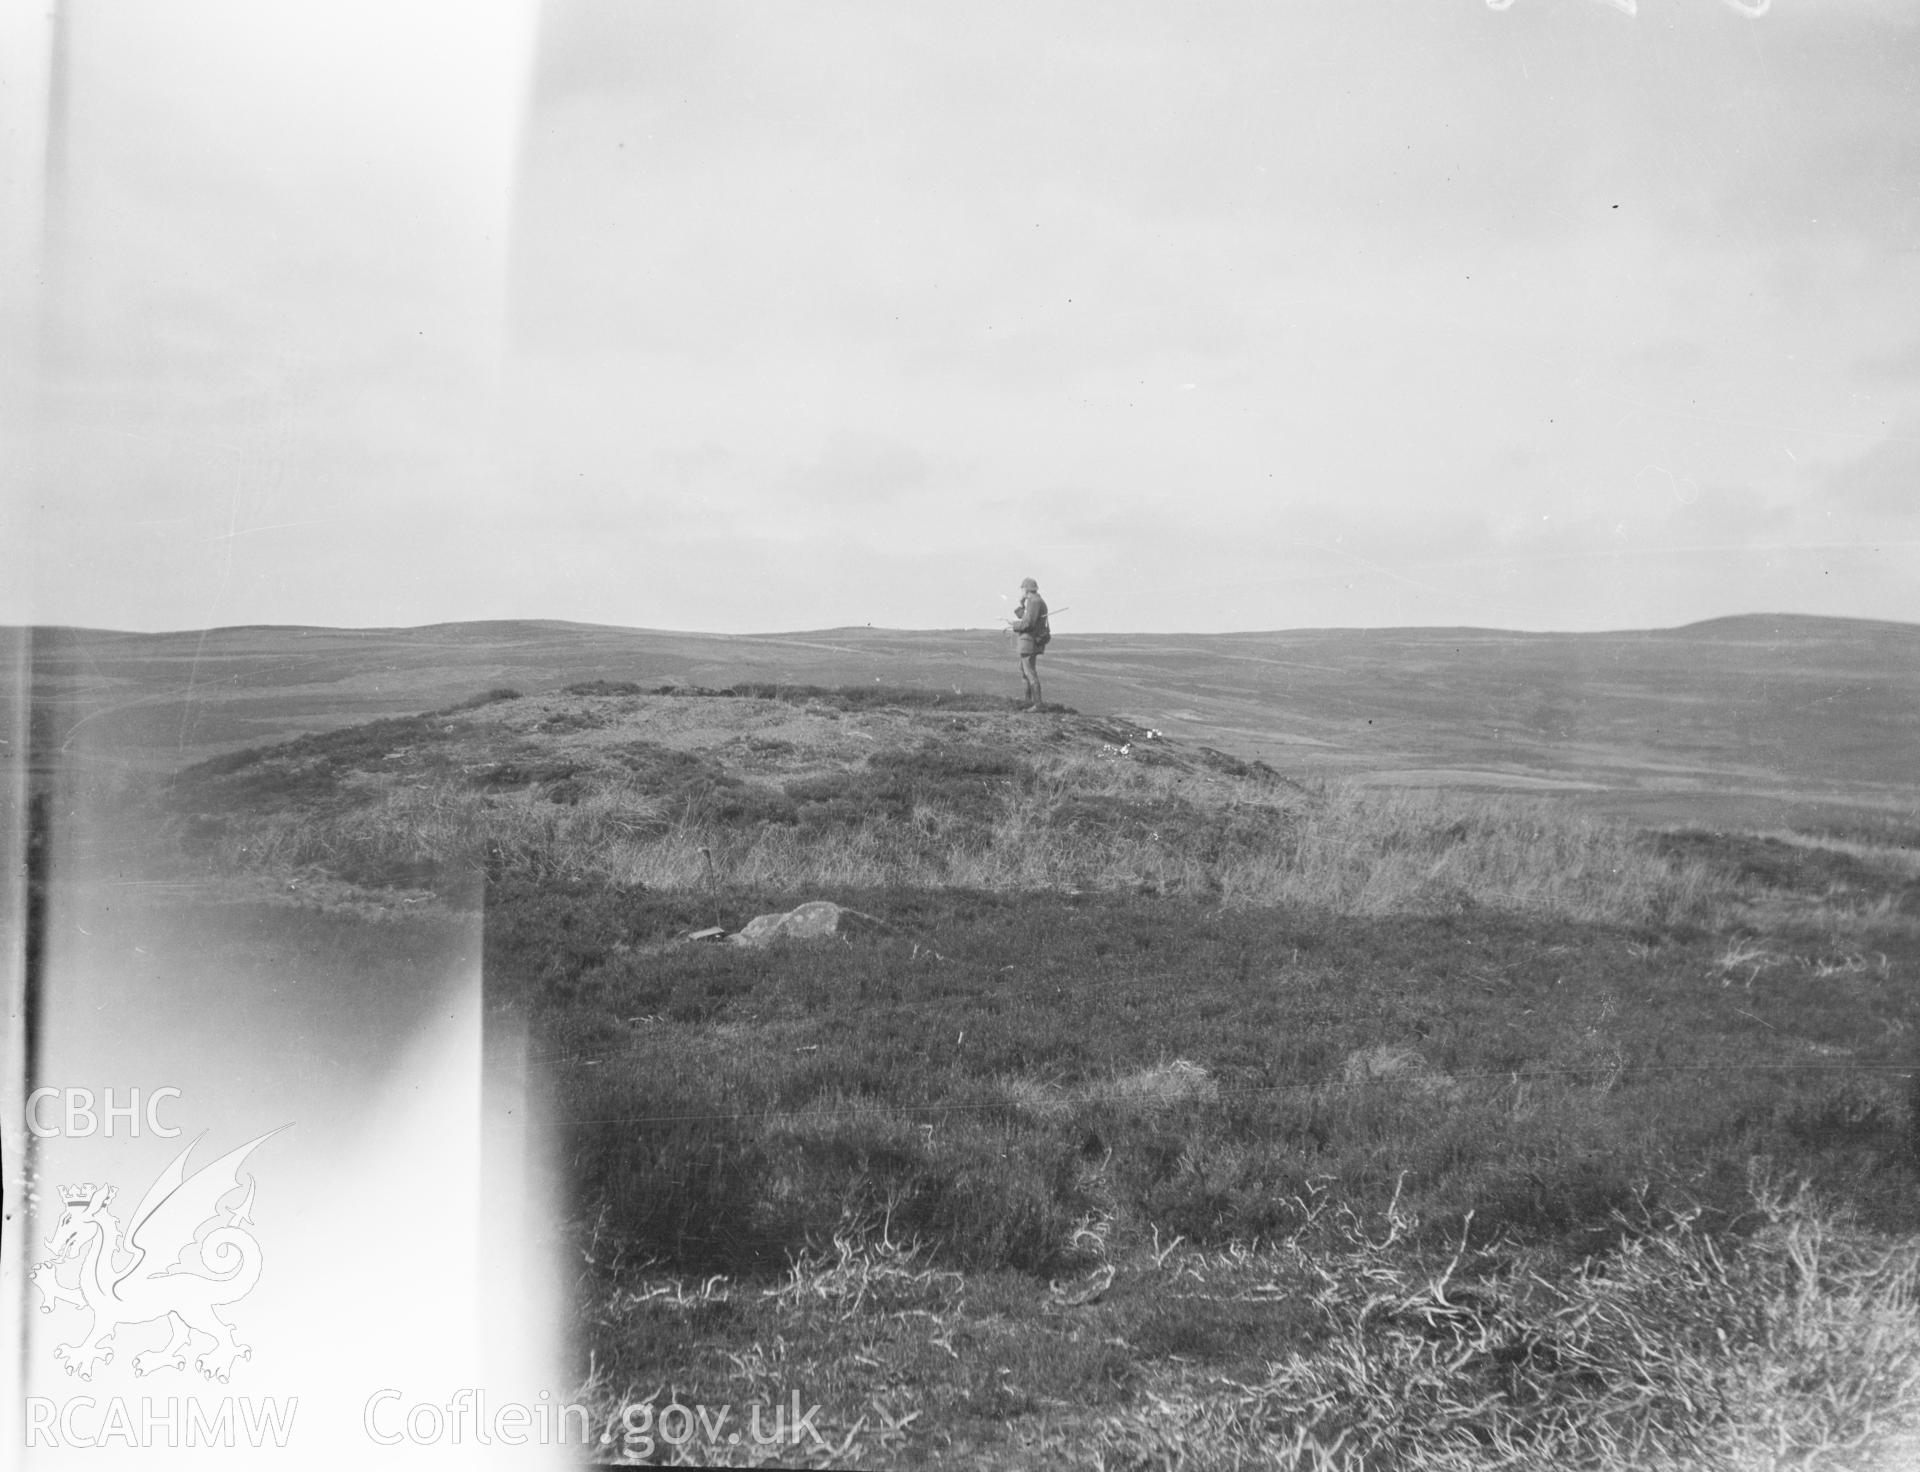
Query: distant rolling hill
[(1754, 719)]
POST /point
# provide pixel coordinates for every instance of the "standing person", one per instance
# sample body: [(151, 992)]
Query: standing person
[(1030, 623)]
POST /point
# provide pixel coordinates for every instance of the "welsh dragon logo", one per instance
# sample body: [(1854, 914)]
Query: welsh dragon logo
[(143, 1277)]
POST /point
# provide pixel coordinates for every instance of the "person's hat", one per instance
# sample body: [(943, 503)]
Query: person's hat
[(1029, 583)]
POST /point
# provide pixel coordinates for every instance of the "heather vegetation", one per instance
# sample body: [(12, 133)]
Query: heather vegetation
[(1181, 1114)]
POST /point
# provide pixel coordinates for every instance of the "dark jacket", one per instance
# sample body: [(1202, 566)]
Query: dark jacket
[(1032, 616)]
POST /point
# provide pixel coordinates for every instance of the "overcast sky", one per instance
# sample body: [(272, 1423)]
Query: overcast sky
[(1209, 316)]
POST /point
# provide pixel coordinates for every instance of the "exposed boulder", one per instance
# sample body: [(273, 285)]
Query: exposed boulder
[(811, 921)]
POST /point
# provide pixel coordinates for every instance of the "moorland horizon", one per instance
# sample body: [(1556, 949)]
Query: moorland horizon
[(1759, 718), (1748, 617)]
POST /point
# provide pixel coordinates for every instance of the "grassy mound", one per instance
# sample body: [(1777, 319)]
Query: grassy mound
[(807, 787)]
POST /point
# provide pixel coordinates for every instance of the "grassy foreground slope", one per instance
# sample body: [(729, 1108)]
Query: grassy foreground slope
[(1179, 1112)]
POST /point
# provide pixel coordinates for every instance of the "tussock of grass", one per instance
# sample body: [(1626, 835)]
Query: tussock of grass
[(1795, 1345), (863, 1268), (1157, 1087)]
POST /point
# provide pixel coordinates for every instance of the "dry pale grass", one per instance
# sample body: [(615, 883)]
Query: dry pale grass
[(1160, 1086), (865, 1268), (861, 1275), (1795, 1347), (1353, 850)]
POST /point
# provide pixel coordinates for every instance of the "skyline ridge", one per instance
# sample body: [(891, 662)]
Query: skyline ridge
[(875, 628)]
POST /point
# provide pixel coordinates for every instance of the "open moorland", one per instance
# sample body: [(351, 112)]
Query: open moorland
[(1302, 1100), (1745, 722)]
